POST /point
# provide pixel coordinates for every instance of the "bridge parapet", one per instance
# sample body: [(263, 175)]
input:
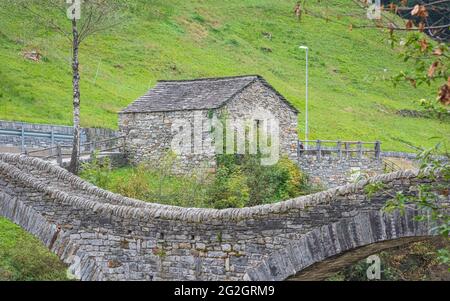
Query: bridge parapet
[(332, 163), (118, 238)]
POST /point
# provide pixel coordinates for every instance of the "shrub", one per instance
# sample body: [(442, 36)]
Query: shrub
[(136, 185), (229, 190), (297, 180), (97, 171), (239, 181), (265, 184)]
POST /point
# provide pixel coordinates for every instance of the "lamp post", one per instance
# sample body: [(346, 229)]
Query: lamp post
[(306, 102)]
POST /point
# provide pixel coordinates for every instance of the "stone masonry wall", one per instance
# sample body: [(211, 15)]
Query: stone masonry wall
[(331, 171), (258, 96), (105, 236), (149, 135), (149, 138)]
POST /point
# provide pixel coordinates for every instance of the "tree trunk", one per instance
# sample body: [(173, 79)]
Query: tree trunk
[(74, 161)]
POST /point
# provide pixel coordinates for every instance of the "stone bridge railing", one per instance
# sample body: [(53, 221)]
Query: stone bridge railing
[(332, 163), (104, 236)]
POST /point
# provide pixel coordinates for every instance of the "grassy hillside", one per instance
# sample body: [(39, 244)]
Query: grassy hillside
[(24, 257), (187, 39)]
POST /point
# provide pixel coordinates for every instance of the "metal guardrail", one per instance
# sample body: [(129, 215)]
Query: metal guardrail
[(62, 151), (22, 133), (341, 148)]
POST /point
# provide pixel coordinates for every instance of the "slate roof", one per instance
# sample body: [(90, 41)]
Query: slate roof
[(197, 94)]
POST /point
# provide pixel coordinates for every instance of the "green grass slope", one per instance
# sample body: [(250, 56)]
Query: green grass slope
[(188, 39), (23, 257)]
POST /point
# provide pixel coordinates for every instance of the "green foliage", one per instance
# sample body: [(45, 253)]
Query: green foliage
[(97, 171), (415, 261), (154, 182), (431, 61), (434, 109), (239, 181), (229, 190), (135, 185), (428, 197), (259, 184), (23, 257), (372, 188)]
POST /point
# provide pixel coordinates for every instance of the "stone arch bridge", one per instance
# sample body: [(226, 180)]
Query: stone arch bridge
[(104, 236)]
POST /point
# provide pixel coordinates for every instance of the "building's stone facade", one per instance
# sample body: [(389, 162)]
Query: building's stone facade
[(105, 236), (149, 135), (259, 96), (149, 138)]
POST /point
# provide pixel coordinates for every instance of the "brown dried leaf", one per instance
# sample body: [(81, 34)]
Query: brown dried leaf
[(423, 12), (423, 45), (415, 10), (421, 26), (420, 11), (393, 7), (444, 93), (409, 24), (432, 69), (437, 51)]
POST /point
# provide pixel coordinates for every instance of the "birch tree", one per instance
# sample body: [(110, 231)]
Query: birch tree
[(76, 20)]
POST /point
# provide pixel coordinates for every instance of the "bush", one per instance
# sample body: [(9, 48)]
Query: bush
[(97, 171), (229, 189), (239, 181), (136, 185), (265, 184)]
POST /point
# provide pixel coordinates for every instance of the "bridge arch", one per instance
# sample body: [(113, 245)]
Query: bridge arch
[(105, 236), (316, 254)]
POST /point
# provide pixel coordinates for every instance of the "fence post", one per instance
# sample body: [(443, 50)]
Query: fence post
[(347, 146), (23, 139), (319, 150), (339, 149), (92, 145), (58, 155), (377, 150), (53, 141), (360, 150)]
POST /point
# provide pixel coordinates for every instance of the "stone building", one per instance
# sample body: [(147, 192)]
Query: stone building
[(153, 122)]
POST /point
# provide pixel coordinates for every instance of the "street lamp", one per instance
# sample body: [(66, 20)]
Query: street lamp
[(306, 105)]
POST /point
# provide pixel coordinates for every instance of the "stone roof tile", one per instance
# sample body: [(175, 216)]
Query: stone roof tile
[(197, 94)]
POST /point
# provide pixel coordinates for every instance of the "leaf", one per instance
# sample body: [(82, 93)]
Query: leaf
[(415, 10), (423, 13), (421, 26), (409, 24), (444, 93), (423, 45), (420, 11), (432, 69), (393, 7), (437, 51)]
